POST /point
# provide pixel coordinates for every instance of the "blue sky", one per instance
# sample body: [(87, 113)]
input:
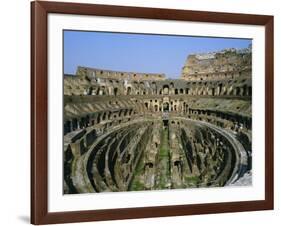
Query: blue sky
[(137, 52)]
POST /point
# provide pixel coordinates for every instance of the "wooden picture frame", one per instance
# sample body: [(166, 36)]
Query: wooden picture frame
[(39, 112)]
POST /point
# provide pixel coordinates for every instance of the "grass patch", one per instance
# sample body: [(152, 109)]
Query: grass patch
[(164, 158), (193, 180), (136, 184)]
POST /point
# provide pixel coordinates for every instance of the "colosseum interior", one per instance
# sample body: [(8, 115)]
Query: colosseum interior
[(131, 131)]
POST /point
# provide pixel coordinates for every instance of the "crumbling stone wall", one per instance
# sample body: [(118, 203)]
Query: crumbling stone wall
[(228, 63)]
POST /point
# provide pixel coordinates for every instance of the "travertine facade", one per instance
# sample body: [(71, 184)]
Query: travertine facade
[(226, 64), (136, 131)]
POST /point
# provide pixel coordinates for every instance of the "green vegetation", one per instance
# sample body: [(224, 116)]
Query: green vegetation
[(164, 161), (137, 183), (192, 181)]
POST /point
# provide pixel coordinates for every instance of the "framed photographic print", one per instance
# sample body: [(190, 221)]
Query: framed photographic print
[(149, 112)]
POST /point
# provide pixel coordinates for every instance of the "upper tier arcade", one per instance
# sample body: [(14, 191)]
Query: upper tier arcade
[(109, 74)]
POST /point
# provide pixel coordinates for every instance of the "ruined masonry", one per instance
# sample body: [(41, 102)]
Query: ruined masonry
[(130, 131)]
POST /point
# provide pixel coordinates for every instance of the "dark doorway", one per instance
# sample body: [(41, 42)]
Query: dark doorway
[(166, 107), (115, 91), (166, 122)]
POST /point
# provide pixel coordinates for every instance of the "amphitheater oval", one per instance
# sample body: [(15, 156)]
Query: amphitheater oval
[(130, 131)]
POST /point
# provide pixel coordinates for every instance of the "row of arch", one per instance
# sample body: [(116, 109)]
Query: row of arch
[(238, 120), (219, 90), (216, 76), (96, 118)]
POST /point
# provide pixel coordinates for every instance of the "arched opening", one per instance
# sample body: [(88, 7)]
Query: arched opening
[(82, 123), (250, 90), (74, 124), (177, 163), (213, 91), (186, 90), (87, 120), (104, 116), (149, 165), (186, 108), (245, 90), (166, 107), (171, 85), (166, 89), (155, 107), (129, 90), (176, 91), (141, 85), (220, 89), (98, 119), (181, 91), (103, 90), (67, 127), (90, 91), (115, 91), (109, 115), (238, 91), (146, 105)]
